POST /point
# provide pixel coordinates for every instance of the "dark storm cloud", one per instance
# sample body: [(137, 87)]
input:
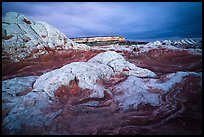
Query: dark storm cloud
[(136, 21)]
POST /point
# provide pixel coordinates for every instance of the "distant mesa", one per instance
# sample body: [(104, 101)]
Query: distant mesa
[(105, 40), (99, 39)]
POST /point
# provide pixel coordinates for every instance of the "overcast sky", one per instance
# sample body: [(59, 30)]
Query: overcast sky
[(133, 20)]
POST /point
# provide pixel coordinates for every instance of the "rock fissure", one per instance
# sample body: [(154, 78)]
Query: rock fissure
[(35, 32)]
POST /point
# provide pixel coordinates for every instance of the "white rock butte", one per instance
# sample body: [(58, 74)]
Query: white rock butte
[(22, 37)]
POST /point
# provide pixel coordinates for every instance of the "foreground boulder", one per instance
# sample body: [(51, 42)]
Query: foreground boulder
[(102, 66)]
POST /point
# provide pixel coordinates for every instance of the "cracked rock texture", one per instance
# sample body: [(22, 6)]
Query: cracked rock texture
[(22, 84), (22, 38), (102, 66), (133, 91), (23, 107)]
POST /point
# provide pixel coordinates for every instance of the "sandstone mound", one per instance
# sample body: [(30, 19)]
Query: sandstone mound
[(22, 38), (102, 66)]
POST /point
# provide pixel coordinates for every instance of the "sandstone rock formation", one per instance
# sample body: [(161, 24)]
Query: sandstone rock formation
[(23, 109), (133, 91), (102, 66), (22, 38), (25, 112), (167, 46), (149, 103), (181, 43)]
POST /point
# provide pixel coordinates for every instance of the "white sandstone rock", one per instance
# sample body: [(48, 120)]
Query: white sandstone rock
[(17, 85), (118, 63), (20, 32), (25, 109), (173, 79), (133, 91), (86, 73), (99, 67)]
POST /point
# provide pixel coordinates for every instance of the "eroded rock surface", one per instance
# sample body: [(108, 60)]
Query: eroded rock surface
[(134, 91)]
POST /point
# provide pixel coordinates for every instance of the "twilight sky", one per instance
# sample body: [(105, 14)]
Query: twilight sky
[(142, 21)]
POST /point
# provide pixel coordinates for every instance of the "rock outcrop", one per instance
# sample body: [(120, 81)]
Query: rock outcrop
[(102, 66), (181, 43), (134, 91), (167, 45), (22, 38)]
